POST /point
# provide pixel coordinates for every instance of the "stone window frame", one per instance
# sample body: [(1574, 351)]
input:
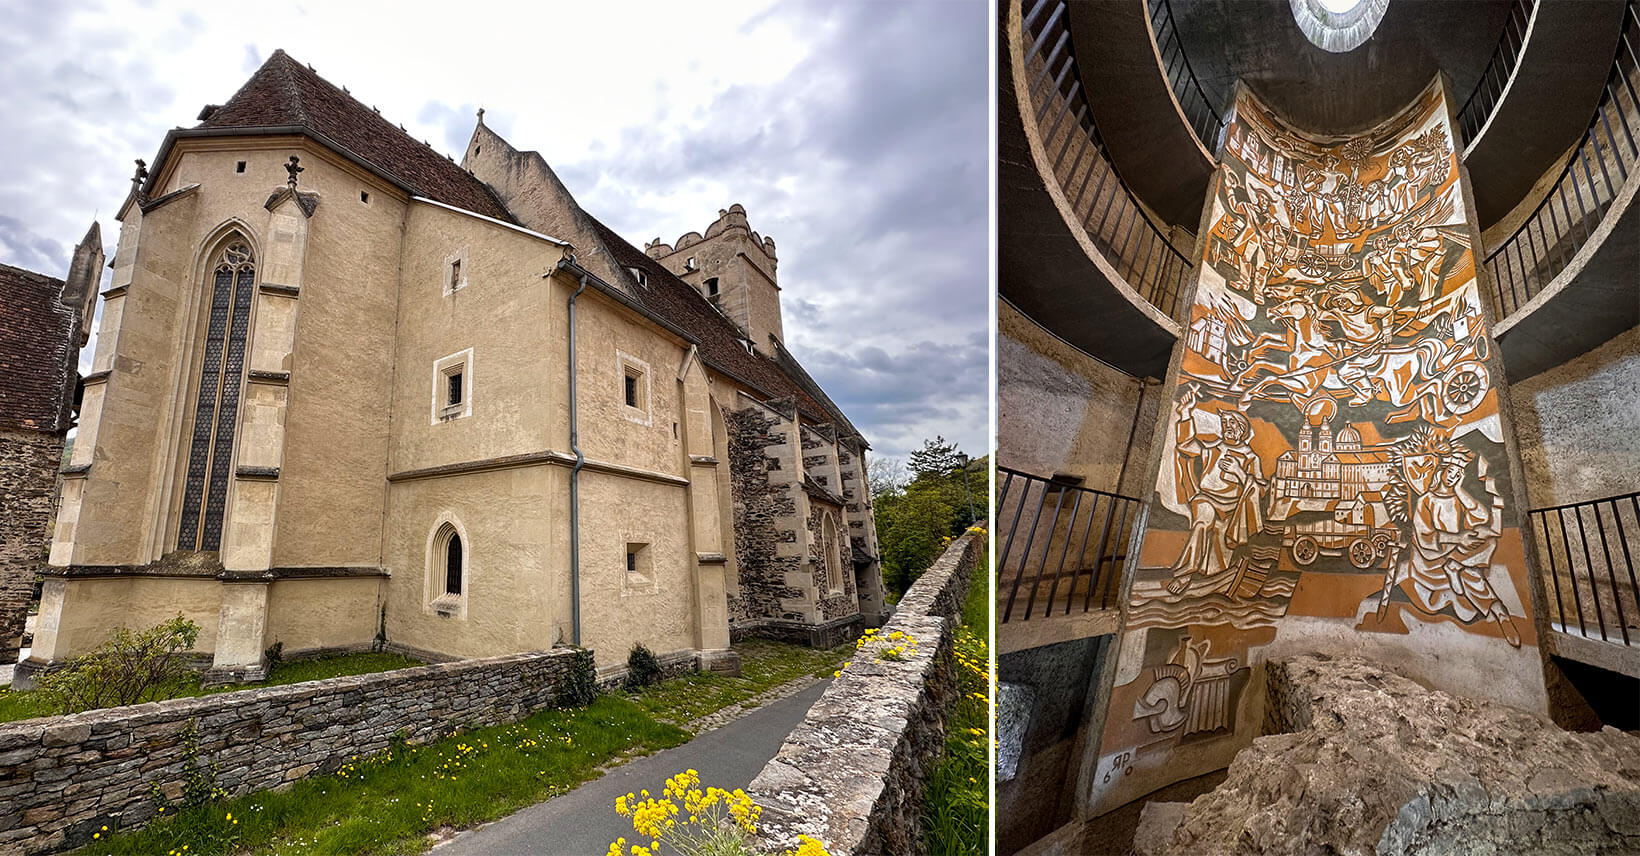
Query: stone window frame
[(642, 579), (451, 277), (459, 362), (627, 365), (435, 599), (831, 553)]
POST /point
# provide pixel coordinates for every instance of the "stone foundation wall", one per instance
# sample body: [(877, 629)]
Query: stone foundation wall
[(827, 635), (853, 771), (64, 777), (1362, 760), (28, 493)]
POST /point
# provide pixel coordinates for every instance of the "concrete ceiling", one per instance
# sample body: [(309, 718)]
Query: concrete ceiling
[(1337, 93)]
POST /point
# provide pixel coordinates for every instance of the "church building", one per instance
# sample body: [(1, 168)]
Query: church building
[(348, 392)]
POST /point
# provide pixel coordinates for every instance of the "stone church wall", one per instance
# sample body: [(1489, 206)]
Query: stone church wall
[(63, 778), (1578, 425), (28, 487), (759, 506)]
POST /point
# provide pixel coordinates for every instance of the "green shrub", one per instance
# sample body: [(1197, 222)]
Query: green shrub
[(127, 669), (642, 668), (581, 685)]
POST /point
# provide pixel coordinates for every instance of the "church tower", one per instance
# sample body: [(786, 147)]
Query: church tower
[(734, 268)]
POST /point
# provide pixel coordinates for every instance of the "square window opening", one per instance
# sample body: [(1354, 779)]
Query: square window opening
[(712, 286), (364, 196), (639, 572), (631, 387), (455, 274), (239, 167), (453, 389)]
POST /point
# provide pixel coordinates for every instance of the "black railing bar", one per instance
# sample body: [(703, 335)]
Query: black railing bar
[(1194, 80), (1114, 574), (1013, 529), (1099, 554), (1612, 188), (1082, 556), (1058, 13), (1614, 498), (1072, 135), (1577, 598), (1047, 550), (1070, 532), (1554, 572), (1058, 89), (1049, 61), (1594, 584), (1036, 9), (1611, 572), (1025, 554), (1623, 538), (1497, 52), (1616, 149), (1064, 110), (1624, 45)]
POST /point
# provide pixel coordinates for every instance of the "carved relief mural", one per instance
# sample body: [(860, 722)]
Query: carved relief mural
[(1334, 469)]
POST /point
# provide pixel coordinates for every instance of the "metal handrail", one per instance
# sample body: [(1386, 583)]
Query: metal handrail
[(1199, 112), (1110, 215), (1500, 69), (1580, 540), (1077, 513), (1544, 245)]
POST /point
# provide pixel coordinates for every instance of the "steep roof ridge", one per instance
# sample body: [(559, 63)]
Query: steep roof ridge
[(286, 93)]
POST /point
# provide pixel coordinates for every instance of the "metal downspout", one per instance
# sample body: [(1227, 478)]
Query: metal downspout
[(574, 485)]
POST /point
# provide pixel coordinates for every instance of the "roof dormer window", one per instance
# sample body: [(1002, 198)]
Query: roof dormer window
[(641, 276)]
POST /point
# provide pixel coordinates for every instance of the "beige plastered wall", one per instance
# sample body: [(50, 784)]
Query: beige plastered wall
[(308, 615), (1061, 411)]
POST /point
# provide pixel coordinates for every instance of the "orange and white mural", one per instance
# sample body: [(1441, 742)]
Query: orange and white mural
[(1334, 472)]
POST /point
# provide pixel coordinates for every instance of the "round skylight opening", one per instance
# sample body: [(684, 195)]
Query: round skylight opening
[(1338, 26)]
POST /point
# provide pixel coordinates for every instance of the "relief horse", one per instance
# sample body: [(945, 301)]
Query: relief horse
[(1303, 342)]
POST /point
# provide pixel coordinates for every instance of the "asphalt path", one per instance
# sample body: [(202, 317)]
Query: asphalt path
[(583, 822)]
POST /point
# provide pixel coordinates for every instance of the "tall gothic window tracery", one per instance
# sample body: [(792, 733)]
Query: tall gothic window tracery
[(216, 400)]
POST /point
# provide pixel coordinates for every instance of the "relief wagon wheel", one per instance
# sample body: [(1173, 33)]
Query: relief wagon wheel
[(1362, 554), (1305, 549), (1381, 543), (1313, 265), (1464, 387)]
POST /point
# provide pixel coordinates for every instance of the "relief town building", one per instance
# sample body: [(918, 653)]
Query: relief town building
[(348, 392)]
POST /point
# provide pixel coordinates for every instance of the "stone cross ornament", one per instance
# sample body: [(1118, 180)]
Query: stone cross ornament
[(293, 168)]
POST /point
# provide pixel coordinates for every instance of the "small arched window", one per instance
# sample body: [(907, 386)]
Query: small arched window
[(451, 555)]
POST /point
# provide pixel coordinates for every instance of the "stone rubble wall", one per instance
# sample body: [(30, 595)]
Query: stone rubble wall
[(1366, 761), (64, 777), (28, 493), (852, 773)]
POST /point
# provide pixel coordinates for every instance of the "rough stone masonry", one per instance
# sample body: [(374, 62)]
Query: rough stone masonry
[(1369, 762), (852, 773), (63, 777)]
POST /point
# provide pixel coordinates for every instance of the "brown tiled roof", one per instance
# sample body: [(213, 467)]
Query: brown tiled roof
[(720, 341), (283, 92), (38, 360)]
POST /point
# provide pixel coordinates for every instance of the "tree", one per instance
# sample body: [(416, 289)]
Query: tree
[(916, 518), (130, 667), (884, 475), (935, 458)]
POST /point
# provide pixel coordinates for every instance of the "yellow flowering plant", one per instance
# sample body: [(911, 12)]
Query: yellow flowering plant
[(688, 820)]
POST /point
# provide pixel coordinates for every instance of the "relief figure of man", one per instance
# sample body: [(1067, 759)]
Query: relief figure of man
[(1217, 475)]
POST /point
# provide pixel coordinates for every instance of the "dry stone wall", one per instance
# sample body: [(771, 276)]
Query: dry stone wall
[(63, 778), (1372, 763), (852, 773)]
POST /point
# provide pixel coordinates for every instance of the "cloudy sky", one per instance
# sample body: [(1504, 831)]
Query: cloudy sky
[(855, 133)]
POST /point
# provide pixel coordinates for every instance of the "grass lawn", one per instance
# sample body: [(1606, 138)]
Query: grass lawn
[(388, 803), (955, 819), (27, 704), (763, 665)]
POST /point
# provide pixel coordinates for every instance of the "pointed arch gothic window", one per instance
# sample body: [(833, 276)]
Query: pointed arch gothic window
[(216, 400)]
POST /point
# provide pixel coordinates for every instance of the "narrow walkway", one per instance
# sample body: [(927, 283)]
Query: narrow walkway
[(583, 822)]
